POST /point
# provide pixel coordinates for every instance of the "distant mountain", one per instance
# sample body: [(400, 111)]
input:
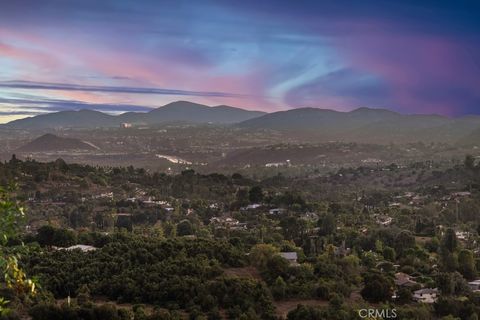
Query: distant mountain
[(65, 119), (50, 143), (365, 125), (180, 111), (315, 119), (193, 112)]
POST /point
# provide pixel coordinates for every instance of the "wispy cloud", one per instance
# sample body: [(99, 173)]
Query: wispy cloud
[(114, 89)]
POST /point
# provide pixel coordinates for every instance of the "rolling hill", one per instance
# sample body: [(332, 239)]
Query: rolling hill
[(365, 125), (52, 143), (180, 111)]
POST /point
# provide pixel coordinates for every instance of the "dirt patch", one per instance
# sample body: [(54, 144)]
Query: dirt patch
[(422, 240)]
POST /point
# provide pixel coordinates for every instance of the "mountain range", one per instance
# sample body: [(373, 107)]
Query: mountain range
[(360, 125), (180, 111), (367, 125)]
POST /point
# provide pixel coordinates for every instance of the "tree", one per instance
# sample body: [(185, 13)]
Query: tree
[(404, 295), (389, 254), (184, 228), (11, 217), (450, 241), (255, 195), (466, 264), (169, 229), (279, 288), (469, 162), (83, 295), (452, 283), (377, 287), (261, 253), (293, 227), (449, 261), (403, 241), (327, 224), (51, 236)]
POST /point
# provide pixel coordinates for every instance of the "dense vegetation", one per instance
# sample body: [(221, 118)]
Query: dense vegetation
[(216, 246)]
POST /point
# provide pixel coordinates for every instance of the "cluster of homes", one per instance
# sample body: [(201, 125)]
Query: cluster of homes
[(424, 295)]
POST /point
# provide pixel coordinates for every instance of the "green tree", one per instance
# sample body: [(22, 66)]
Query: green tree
[(452, 283), (279, 288), (469, 162), (377, 287), (11, 217), (389, 254), (261, 253), (450, 241), (327, 224), (466, 264), (184, 228), (403, 241), (255, 194)]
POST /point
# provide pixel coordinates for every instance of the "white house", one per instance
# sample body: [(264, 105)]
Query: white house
[(276, 211), (82, 247), (475, 285), (426, 295)]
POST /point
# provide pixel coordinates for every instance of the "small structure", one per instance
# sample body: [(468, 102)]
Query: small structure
[(82, 247), (276, 211), (291, 257), (383, 220), (463, 235), (404, 280), (227, 223), (475, 285), (427, 295), (125, 125), (252, 206)]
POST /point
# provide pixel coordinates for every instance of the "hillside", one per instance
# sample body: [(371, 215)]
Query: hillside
[(366, 125), (64, 119), (180, 111), (197, 113), (50, 142)]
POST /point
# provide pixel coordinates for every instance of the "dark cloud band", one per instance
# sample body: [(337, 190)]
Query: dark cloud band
[(114, 89)]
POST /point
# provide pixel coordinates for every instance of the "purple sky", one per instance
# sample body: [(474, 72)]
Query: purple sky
[(115, 56)]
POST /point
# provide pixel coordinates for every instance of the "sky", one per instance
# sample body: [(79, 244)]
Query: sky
[(270, 55)]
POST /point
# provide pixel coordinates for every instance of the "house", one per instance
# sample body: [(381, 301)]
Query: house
[(276, 211), (462, 235), (291, 257), (82, 247), (383, 220), (275, 164), (228, 223), (475, 285), (404, 280), (252, 206), (427, 295), (461, 194), (125, 125)]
